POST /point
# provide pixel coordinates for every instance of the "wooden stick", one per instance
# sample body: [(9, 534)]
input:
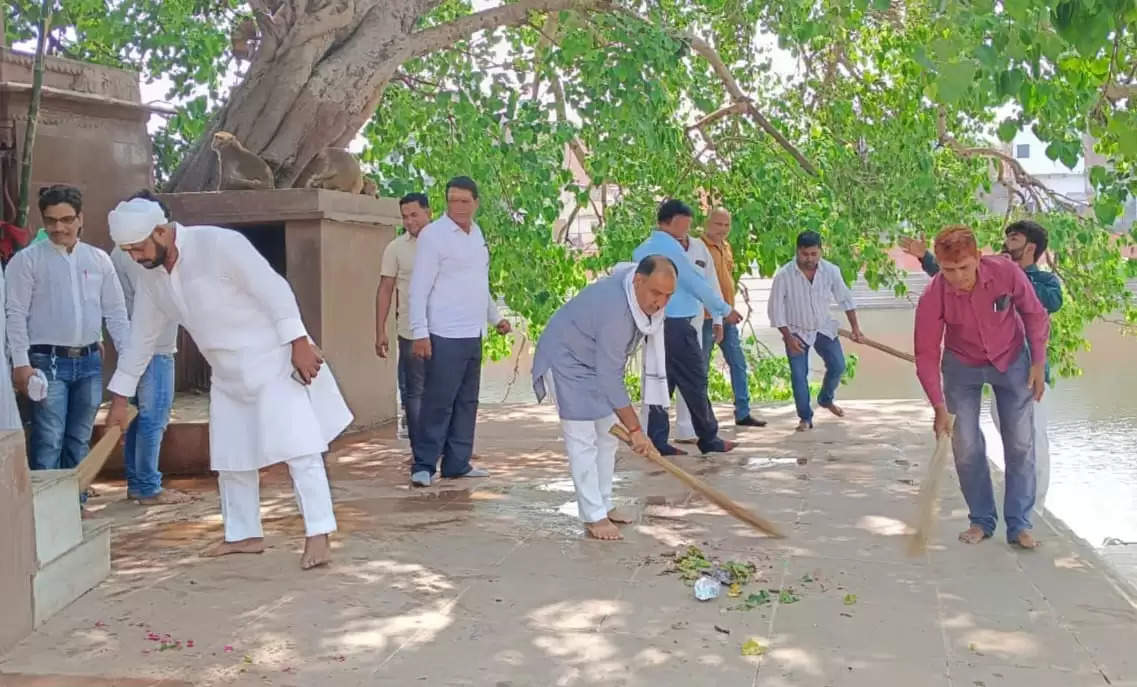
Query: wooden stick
[(714, 495), (100, 452), (879, 346), (929, 493)]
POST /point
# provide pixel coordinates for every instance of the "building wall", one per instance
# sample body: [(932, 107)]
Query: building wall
[(17, 541)]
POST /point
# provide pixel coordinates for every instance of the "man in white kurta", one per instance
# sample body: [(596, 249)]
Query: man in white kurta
[(269, 400)]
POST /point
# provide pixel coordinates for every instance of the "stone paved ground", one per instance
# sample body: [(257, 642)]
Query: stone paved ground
[(489, 582)]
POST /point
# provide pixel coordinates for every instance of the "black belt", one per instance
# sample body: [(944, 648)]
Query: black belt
[(64, 351)]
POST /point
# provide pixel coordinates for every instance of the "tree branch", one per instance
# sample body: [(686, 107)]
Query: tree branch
[(1034, 186), (443, 36)]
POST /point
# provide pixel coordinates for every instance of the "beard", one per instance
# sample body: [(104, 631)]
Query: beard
[(159, 259), (1013, 254)]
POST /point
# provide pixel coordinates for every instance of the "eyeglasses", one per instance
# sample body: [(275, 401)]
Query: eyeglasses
[(52, 221)]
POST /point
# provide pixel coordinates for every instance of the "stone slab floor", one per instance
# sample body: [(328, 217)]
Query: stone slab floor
[(489, 583)]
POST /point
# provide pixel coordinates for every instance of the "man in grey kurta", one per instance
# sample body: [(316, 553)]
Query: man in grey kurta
[(581, 358)]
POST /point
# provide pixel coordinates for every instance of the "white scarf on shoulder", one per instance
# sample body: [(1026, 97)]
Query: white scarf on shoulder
[(653, 388)]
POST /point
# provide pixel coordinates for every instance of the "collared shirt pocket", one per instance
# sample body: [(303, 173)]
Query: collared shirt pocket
[(91, 284)]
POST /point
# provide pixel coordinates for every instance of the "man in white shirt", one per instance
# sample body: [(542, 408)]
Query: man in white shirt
[(395, 277), (800, 298), (59, 293), (700, 257), (450, 307), (155, 397), (269, 401)]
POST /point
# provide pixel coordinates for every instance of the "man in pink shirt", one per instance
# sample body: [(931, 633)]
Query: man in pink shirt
[(993, 330)]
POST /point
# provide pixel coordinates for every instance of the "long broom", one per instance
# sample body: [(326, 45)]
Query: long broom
[(929, 490), (97, 457), (713, 495)]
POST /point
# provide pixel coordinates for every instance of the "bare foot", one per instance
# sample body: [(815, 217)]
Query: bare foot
[(317, 552), (835, 409), (804, 426), (603, 530), (618, 516), (1025, 541), (224, 548), (973, 535), (167, 497)]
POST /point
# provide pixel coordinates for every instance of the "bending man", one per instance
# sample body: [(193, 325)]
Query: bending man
[(269, 401), (581, 359), (977, 309)]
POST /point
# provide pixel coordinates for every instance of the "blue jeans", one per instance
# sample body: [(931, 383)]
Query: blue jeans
[(154, 398), (61, 423), (830, 352), (412, 379), (963, 393), (731, 347)]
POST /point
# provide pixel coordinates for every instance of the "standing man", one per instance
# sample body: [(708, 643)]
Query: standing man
[(269, 401), (685, 364), (1024, 242), (983, 312), (800, 298), (395, 275), (154, 397), (59, 293), (450, 304), (700, 257), (729, 341), (580, 360)]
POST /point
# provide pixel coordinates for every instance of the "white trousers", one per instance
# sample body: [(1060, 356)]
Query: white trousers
[(684, 429), (592, 459), (241, 498), (1041, 448)]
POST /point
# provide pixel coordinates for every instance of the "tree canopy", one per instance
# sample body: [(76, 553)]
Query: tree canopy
[(863, 119)]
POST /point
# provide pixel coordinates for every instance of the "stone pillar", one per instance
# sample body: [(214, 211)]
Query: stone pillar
[(17, 541), (328, 245)]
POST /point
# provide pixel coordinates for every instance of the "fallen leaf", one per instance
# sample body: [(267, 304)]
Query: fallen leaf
[(846, 615), (753, 648), (850, 599), (247, 659), (720, 628), (786, 596), (734, 591)]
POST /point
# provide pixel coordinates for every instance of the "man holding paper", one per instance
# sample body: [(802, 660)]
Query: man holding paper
[(269, 401)]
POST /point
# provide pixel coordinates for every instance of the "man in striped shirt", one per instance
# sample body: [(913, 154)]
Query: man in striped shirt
[(799, 308)]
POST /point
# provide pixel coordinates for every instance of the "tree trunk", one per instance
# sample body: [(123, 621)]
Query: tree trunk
[(319, 73)]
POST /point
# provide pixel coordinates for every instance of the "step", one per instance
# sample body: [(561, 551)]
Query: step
[(73, 574), (58, 523)]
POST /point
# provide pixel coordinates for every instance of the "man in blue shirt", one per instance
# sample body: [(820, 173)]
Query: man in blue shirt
[(686, 367), (1024, 242)]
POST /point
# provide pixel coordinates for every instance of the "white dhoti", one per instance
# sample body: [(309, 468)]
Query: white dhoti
[(241, 499), (592, 460), (1041, 449)]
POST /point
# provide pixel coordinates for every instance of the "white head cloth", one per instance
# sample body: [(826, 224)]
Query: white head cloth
[(134, 220)]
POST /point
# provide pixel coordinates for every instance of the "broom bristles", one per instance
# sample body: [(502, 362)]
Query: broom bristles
[(927, 499)]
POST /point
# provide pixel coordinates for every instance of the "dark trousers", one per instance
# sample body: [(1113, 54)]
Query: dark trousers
[(412, 377), (687, 370), (449, 406)]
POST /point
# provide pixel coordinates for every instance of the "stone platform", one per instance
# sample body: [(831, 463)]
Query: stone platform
[(185, 445), (489, 582)]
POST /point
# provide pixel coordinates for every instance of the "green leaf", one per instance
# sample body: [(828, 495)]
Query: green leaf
[(953, 80), (1007, 130), (1011, 81), (1107, 210)]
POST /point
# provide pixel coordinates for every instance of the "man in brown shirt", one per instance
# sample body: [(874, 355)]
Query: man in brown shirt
[(718, 226)]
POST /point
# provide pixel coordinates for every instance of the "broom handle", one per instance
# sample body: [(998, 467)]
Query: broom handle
[(653, 455), (879, 346)]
